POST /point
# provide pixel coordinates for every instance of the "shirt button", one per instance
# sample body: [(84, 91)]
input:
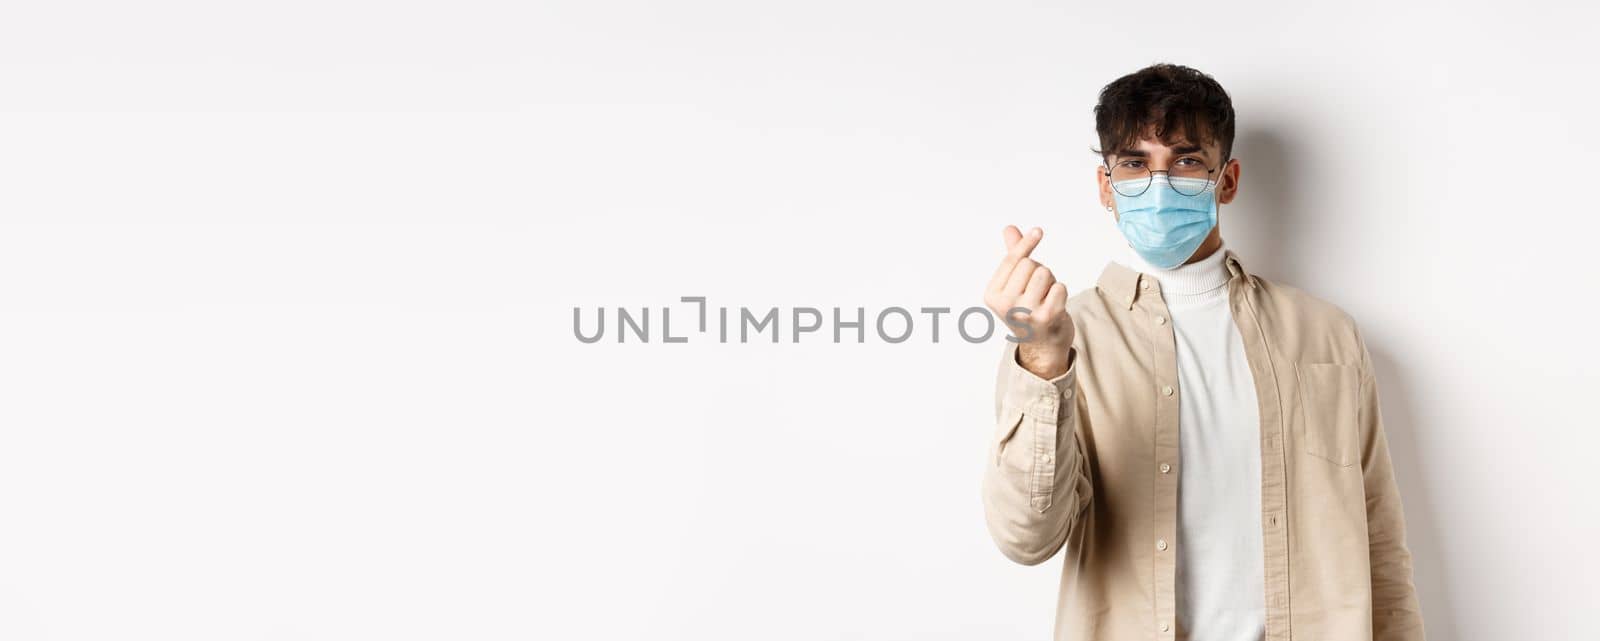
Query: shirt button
[(1161, 544), (1164, 627), (1166, 389), (1165, 468), (1161, 320), (1144, 284), (1045, 458)]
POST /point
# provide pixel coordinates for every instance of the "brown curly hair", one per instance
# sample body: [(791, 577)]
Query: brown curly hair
[(1170, 102)]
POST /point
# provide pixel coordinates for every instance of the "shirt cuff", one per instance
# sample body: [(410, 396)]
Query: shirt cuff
[(1034, 395)]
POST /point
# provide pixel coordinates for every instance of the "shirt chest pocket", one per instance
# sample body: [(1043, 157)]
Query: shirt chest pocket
[(1329, 402)]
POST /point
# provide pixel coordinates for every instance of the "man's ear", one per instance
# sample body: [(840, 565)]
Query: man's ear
[(1228, 184), (1105, 186)]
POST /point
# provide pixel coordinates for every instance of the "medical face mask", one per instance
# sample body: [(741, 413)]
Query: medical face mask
[(1163, 226)]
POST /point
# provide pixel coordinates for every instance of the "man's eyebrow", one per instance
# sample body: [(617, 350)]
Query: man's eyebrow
[(1180, 149)]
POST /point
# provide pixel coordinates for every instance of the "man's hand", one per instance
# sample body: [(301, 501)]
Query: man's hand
[(1046, 330)]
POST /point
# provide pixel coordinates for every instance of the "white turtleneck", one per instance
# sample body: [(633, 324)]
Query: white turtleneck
[(1220, 590)]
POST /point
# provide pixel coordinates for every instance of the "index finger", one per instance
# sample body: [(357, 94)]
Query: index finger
[(1017, 248), (1022, 244)]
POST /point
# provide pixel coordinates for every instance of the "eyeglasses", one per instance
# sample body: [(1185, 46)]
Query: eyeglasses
[(1188, 175)]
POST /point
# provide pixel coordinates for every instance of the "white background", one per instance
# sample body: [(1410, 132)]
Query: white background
[(286, 298)]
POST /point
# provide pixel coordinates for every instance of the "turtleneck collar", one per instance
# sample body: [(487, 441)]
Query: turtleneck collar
[(1196, 283)]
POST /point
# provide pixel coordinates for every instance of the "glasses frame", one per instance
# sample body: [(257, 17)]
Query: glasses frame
[(1151, 178)]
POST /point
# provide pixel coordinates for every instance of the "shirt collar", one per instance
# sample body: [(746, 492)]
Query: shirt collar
[(1124, 285)]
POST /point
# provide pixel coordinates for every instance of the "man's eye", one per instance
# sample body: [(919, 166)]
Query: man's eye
[(1189, 162), (1133, 164)]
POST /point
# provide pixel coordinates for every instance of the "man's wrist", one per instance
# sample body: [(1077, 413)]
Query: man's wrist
[(1046, 362)]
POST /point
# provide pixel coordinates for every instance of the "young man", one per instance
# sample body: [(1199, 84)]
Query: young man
[(1203, 445)]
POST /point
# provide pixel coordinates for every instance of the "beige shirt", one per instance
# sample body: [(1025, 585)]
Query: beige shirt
[(1087, 463), (1220, 594)]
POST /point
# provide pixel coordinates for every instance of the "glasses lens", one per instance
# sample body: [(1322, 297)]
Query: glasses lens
[(1130, 180), (1189, 176), (1190, 186)]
